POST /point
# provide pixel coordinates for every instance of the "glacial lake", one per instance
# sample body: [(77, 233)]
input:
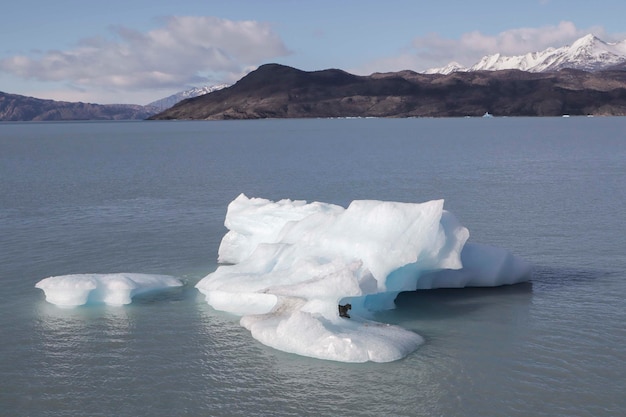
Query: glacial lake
[(150, 197)]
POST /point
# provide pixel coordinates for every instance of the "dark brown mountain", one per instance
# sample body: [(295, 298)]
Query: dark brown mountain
[(277, 91), (14, 107)]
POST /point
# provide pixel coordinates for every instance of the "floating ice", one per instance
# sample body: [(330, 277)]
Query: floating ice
[(293, 263), (483, 266), (113, 289)]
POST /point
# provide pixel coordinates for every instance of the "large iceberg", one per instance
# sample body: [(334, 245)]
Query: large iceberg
[(288, 265), (111, 289)]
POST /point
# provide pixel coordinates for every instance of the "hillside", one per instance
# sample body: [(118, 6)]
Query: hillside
[(15, 107), (277, 91), (169, 101)]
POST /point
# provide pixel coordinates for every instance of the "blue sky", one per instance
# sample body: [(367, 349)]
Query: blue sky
[(136, 51)]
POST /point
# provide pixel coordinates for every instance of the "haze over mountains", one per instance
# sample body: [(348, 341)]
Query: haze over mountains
[(587, 77)]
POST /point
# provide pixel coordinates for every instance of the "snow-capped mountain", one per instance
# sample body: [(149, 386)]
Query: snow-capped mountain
[(167, 102), (588, 53), (448, 69)]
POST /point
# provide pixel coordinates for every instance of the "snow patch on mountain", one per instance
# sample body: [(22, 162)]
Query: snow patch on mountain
[(588, 53), (167, 102), (448, 69)]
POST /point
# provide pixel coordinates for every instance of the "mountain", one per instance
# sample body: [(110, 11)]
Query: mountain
[(448, 69), (588, 53), (167, 102), (15, 107), (278, 91)]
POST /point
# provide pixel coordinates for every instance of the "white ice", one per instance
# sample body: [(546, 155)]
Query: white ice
[(112, 289), (291, 263)]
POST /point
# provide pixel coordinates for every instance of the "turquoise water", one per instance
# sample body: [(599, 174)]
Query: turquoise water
[(150, 197)]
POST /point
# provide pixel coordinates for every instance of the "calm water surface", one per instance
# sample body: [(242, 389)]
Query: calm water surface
[(151, 197)]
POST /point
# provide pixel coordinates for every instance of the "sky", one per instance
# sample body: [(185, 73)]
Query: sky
[(138, 51)]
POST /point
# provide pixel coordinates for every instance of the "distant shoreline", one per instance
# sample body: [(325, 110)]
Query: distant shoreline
[(278, 91)]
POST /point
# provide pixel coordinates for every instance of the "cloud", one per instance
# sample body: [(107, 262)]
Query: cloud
[(184, 50), (434, 51)]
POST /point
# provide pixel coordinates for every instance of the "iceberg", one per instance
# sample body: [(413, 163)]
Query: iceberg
[(286, 266), (111, 289)]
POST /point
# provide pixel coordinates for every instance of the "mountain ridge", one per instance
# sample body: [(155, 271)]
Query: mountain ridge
[(167, 102), (588, 53), (15, 107), (278, 91), (583, 78)]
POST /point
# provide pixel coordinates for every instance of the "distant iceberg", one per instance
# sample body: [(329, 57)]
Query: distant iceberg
[(111, 289), (292, 263)]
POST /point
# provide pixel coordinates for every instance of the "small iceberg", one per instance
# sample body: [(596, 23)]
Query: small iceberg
[(111, 289)]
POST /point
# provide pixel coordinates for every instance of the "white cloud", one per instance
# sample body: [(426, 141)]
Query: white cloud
[(184, 50), (434, 51)]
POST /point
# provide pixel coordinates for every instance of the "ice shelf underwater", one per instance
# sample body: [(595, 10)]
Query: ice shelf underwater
[(286, 266)]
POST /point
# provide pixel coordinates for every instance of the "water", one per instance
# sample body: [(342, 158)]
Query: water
[(150, 197)]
